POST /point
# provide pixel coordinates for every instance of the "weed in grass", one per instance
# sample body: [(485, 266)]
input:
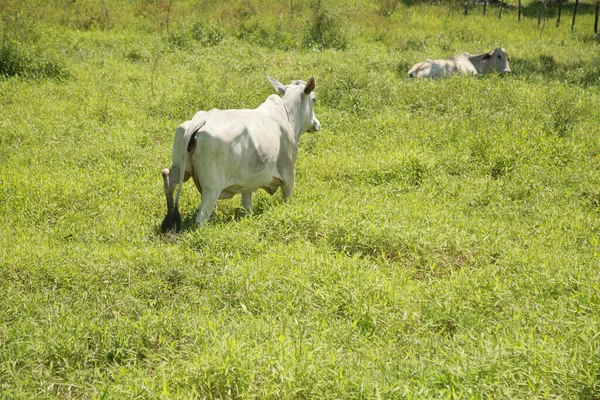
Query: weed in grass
[(207, 35), (564, 109), (414, 43), (502, 166), (409, 174)]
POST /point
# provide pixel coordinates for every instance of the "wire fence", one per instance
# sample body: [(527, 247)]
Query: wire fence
[(541, 9)]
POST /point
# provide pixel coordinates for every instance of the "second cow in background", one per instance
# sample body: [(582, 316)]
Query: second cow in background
[(465, 63)]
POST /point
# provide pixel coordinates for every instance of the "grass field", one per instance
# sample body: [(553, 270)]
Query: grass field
[(445, 236)]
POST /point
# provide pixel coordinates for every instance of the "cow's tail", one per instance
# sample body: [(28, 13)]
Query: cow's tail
[(188, 144)]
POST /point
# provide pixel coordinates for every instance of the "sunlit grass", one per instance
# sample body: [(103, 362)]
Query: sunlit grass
[(443, 243)]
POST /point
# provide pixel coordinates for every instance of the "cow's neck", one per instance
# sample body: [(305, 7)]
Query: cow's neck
[(480, 65), (292, 106), (284, 108)]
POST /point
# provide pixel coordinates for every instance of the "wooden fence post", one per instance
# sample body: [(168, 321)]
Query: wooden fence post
[(542, 13), (484, 6), (106, 14), (501, 8), (574, 15), (596, 18), (520, 10), (467, 7), (559, 10), (168, 15)]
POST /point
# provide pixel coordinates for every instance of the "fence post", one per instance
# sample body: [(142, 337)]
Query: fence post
[(519, 10), (574, 15), (501, 8), (596, 18), (559, 10), (467, 7), (484, 6)]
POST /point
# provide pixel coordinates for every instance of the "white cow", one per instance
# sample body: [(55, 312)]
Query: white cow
[(227, 152), (465, 63)]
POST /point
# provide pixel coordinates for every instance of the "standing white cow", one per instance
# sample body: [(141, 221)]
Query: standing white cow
[(227, 152), (465, 63)]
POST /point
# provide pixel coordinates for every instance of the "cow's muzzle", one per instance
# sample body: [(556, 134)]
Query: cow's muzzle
[(315, 126)]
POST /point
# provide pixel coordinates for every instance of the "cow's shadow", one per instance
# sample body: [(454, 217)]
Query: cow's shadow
[(585, 73), (228, 212)]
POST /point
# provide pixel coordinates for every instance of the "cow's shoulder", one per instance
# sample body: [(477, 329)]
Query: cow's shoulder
[(466, 66)]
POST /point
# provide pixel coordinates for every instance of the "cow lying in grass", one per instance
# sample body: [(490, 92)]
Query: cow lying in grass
[(463, 63), (227, 152)]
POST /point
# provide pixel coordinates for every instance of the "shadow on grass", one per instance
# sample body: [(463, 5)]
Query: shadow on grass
[(546, 66), (531, 10), (225, 213)]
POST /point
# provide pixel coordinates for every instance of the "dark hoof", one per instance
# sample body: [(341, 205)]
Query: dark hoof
[(172, 222)]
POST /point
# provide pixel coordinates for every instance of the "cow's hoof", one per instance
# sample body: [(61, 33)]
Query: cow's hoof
[(171, 223)]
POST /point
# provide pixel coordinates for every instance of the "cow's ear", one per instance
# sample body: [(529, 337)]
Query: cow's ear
[(279, 87), (310, 85), (487, 56)]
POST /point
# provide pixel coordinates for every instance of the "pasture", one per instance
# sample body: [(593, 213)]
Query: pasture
[(445, 236)]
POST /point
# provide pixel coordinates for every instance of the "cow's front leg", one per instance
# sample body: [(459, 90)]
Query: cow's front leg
[(247, 202), (209, 201), (288, 189)]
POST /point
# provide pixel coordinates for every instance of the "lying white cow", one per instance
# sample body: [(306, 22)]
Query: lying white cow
[(239, 151), (465, 63)]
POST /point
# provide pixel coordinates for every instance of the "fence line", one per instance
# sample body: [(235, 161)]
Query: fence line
[(542, 13)]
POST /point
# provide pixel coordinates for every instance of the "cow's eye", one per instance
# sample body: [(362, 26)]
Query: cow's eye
[(499, 56)]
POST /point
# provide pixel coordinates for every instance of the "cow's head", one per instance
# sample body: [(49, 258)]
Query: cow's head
[(301, 97), (499, 60)]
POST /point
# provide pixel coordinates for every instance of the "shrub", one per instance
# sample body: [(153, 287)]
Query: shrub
[(87, 15), (178, 39), (266, 32), (136, 55), (564, 109), (323, 31), (19, 60), (386, 7)]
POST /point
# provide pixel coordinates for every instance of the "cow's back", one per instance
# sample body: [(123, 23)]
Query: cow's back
[(237, 149), (441, 67)]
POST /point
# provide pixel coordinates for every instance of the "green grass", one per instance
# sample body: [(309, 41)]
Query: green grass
[(445, 236)]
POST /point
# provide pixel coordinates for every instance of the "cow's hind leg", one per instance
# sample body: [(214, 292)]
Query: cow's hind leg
[(209, 201)]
